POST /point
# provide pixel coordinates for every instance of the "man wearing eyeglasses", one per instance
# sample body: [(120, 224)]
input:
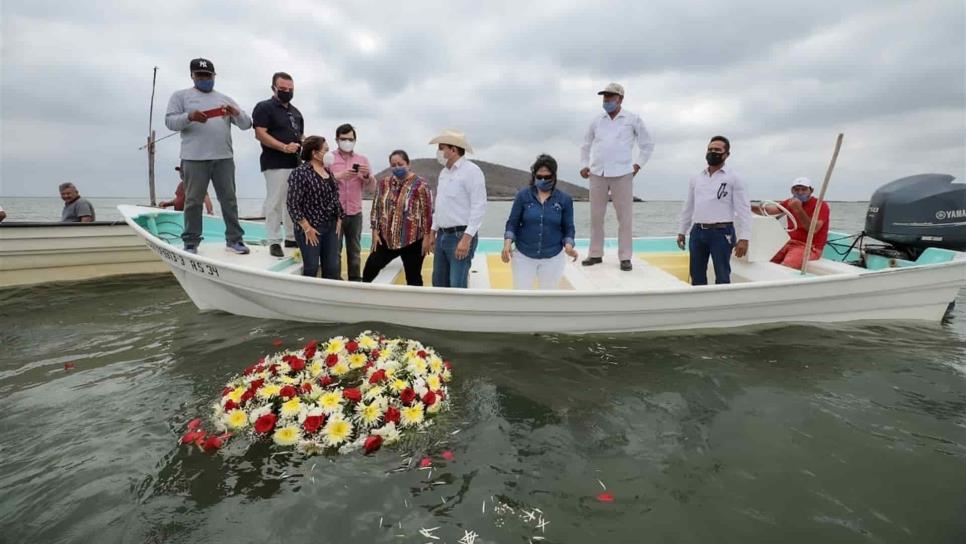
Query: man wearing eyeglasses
[(718, 213), (279, 127), (351, 170)]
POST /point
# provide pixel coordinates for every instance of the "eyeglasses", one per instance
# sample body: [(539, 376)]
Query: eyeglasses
[(295, 124)]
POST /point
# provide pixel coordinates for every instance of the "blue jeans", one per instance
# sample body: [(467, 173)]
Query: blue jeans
[(717, 244), (327, 252), (448, 271)]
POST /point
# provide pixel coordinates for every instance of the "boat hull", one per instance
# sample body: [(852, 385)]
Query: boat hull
[(32, 253), (911, 293)]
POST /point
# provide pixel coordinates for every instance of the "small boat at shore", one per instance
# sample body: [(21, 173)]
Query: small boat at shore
[(655, 295), (40, 252)]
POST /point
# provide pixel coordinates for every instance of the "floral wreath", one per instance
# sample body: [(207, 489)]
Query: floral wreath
[(339, 395)]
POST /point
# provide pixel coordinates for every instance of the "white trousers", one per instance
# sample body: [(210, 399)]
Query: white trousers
[(547, 272), (276, 214)]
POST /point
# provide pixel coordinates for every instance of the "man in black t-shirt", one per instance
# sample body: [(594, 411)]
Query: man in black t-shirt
[(280, 128)]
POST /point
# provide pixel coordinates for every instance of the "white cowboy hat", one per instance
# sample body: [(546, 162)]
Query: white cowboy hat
[(452, 137)]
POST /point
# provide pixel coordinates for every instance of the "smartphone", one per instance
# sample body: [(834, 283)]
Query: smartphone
[(355, 167)]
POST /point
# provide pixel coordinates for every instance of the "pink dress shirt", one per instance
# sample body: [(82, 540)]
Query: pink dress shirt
[(350, 190)]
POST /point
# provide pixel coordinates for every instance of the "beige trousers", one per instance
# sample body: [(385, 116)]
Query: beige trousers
[(621, 190)]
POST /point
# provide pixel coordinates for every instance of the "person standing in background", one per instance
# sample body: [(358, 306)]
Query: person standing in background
[(352, 172), (279, 128), (204, 118), (607, 159), (76, 208), (178, 201)]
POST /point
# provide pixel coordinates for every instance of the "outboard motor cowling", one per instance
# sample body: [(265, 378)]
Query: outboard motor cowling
[(916, 212)]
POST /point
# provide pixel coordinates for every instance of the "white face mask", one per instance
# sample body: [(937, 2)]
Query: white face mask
[(328, 159), (441, 157), (346, 145)]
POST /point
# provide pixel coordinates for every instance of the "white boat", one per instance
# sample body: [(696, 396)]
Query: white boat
[(654, 296), (42, 252)]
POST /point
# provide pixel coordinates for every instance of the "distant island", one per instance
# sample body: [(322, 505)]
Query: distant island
[(502, 182)]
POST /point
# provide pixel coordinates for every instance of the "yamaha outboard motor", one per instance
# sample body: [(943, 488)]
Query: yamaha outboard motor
[(916, 212)]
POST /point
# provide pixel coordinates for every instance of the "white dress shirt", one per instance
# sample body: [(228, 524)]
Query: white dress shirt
[(612, 143), (460, 197), (718, 198)]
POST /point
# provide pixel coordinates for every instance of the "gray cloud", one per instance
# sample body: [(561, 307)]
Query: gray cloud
[(519, 78)]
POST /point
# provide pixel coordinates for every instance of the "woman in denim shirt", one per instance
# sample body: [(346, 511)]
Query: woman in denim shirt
[(541, 225)]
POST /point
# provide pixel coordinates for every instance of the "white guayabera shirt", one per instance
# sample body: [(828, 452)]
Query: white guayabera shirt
[(612, 143), (460, 197), (719, 198)]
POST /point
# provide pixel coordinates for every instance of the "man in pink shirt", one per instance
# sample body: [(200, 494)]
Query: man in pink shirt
[(351, 170)]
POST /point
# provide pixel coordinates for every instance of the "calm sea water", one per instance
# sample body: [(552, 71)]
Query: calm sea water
[(786, 434)]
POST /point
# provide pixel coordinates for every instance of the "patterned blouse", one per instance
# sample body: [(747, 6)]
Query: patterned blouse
[(402, 211), (313, 198)]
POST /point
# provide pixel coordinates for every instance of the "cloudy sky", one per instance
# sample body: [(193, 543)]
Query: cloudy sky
[(781, 80)]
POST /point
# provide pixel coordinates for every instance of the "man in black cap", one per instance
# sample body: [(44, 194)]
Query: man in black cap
[(204, 118), (279, 128)]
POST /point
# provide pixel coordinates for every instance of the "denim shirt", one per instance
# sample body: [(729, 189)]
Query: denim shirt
[(540, 231)]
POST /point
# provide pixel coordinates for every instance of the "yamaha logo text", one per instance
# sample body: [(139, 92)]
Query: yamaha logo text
[(950, 214)]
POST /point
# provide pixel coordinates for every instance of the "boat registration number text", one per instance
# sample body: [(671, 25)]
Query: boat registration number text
[(189, 264)]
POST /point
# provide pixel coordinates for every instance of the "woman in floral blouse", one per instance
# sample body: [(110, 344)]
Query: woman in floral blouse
[(402, 214), (313, 203)]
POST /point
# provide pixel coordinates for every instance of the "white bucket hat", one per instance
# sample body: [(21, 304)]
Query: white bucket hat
[(452, 137)]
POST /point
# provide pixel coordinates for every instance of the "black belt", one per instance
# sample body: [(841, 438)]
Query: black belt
[(452, 230), (713, 225)]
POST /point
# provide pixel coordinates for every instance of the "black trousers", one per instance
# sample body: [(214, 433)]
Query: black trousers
[(412, 258)]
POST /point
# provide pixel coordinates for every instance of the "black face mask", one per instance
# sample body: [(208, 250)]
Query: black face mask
[(284, 96), (714, 159)]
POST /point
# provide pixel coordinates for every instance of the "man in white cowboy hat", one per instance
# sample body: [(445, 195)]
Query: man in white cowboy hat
[(607, 159), (458, 212), (802, 206)]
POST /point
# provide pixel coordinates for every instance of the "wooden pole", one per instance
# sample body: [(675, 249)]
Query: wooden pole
[(154, 201), (151, 191), (818, 205)]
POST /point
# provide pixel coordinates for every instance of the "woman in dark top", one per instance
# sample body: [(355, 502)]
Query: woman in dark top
[(313, 203)]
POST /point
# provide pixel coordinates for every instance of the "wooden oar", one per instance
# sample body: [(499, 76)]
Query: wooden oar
[(818, 205)]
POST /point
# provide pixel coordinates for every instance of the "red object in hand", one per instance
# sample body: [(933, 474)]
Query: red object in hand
[(448, 455), (214, 112), (605, 497), (372, 443), (425, 462)]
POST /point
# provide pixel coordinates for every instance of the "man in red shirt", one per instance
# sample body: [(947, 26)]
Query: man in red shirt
[(802, 206), (178, 200)]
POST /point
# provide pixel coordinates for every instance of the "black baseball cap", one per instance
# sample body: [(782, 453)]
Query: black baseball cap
[(202, 65)]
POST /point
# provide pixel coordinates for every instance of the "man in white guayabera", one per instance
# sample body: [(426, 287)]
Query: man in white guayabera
[(607, 159), (204, 117)]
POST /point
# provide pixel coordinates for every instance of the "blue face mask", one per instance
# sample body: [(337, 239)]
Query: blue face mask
[(205, 85), (804, 198), (400, 172), (610, 106), (543, 185)]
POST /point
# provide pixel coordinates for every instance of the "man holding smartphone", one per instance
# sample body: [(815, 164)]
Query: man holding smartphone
[(352, 172)]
